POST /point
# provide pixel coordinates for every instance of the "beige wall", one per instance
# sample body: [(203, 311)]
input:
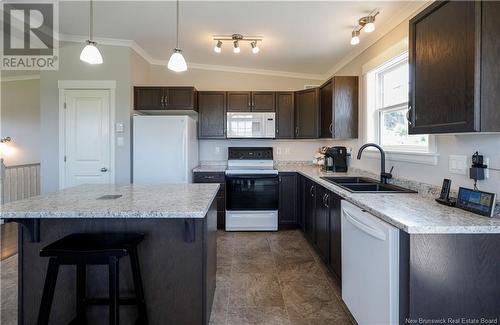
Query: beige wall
[(461, 144), (221, 80), (20, 120)]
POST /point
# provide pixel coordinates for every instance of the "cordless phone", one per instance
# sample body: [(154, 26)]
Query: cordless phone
[(444, 197)]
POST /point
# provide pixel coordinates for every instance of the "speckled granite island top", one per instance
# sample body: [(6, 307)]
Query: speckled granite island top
[(413, 213), (135, 201)]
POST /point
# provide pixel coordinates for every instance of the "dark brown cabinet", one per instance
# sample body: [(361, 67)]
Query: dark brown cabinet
[(285, 124), (309, 203), (165, 98), (339, 108), (307, 114), (251, 101), (322, 223), (215, 177), (287, 211), (453, 57), (263, 101), (239, 101), (212, 115), (334, 201)]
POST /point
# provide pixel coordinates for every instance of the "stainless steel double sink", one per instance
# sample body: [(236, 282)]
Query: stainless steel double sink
[(365, 185)]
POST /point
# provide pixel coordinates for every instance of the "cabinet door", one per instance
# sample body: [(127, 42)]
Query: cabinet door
[(335, 235), (345, 107), (326, 107), (180, 98), (285, 115), (148, 98), (306, 114), (212, 114), (442, 62), (287, 213), (215, 177), (263, 101), (322, 224), (239, 101), (309, 209)]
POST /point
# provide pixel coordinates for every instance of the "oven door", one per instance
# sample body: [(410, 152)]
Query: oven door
[(248, 192)]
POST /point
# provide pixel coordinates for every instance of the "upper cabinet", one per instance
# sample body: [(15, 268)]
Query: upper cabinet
[(285, 125), (307, 114), (453, 56), (339, 108), (212, 114), (251, 101), (165, 98), (239, 101), (263, 101)]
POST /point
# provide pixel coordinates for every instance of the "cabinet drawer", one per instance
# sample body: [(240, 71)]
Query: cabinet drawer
[(209, 177)]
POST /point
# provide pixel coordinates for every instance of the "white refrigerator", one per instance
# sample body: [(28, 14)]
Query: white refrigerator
[(165, 149)]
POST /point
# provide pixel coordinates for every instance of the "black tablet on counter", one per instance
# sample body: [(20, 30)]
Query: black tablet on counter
[(479, 202)]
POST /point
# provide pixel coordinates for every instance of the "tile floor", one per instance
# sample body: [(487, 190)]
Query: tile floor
[(262, 279), (273, 279)]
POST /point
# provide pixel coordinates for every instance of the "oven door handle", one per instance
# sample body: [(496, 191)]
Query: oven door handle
[(250, 176)]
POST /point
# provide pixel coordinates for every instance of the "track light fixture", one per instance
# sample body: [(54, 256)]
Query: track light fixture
[(218, 47), (237, 39), (367, 23)]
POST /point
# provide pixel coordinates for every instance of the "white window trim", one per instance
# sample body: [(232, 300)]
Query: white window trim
[(430, 157)]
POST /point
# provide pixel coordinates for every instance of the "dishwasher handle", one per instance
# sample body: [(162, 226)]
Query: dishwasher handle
[(364, 227)]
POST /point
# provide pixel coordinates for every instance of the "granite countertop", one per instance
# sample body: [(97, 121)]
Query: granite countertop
[(136, 201), (413, 213), (210, 168)]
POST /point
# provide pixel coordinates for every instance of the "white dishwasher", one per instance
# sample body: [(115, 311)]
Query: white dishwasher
[(370, 267)]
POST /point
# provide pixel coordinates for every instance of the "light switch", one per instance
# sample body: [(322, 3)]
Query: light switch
[(119, 127), (120, 142), (457, 164)]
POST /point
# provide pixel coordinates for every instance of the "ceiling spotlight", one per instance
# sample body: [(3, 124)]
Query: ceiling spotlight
[(218, 47), (355, 37), (236, 48), (255, 48), (370, 24)]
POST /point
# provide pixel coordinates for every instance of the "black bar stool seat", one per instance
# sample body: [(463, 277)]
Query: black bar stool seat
[(93, 249)]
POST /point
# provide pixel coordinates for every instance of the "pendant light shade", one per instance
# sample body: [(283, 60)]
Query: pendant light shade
[(177, 63), (90, 53)]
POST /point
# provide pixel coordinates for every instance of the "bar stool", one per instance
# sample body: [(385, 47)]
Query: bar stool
[(93, 249)]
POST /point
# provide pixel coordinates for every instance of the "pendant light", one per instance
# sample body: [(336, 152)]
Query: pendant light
[(90, 52), (177, 62)]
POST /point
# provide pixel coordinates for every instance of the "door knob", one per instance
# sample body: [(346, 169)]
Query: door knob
[(104, 169)]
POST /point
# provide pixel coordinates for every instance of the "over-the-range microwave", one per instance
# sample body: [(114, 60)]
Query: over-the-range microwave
[(250, 125)]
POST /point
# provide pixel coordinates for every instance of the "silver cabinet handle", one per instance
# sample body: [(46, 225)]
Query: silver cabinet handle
[(208, 177), (408, 115), (297, 131), (331, 128), (104, 169), (311, 190), (327, 201), (324, 199)]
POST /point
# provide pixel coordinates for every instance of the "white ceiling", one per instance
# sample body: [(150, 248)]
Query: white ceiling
[(308, 37)]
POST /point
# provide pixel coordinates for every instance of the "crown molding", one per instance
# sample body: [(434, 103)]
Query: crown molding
[(400, 16), (192, 65), (20, 78)]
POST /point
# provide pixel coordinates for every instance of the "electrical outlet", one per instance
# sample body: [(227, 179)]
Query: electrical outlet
[(120, 141), (287, 151), (457, 164), (278, 151), (217, 150), (486, 161)]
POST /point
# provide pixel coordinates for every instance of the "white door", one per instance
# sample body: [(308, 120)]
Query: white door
[(87, 137)]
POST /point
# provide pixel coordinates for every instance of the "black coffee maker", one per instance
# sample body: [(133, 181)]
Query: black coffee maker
[(335, 159)]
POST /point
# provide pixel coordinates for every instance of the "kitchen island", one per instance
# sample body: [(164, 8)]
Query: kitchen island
[(177, 257)]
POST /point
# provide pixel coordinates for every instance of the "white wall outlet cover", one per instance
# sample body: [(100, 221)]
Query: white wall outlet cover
[(120, 127), (457, 164), (120, 141), (217, 150), (278, 151)]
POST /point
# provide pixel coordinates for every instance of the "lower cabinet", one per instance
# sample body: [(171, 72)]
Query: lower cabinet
[(335, 235), (287, 211), (309, 209), (215, 177), (322, 223)]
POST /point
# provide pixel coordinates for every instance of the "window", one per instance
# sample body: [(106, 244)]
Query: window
[(388, 95)]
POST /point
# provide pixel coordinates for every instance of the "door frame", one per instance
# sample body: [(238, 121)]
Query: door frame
[(64, 85)]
